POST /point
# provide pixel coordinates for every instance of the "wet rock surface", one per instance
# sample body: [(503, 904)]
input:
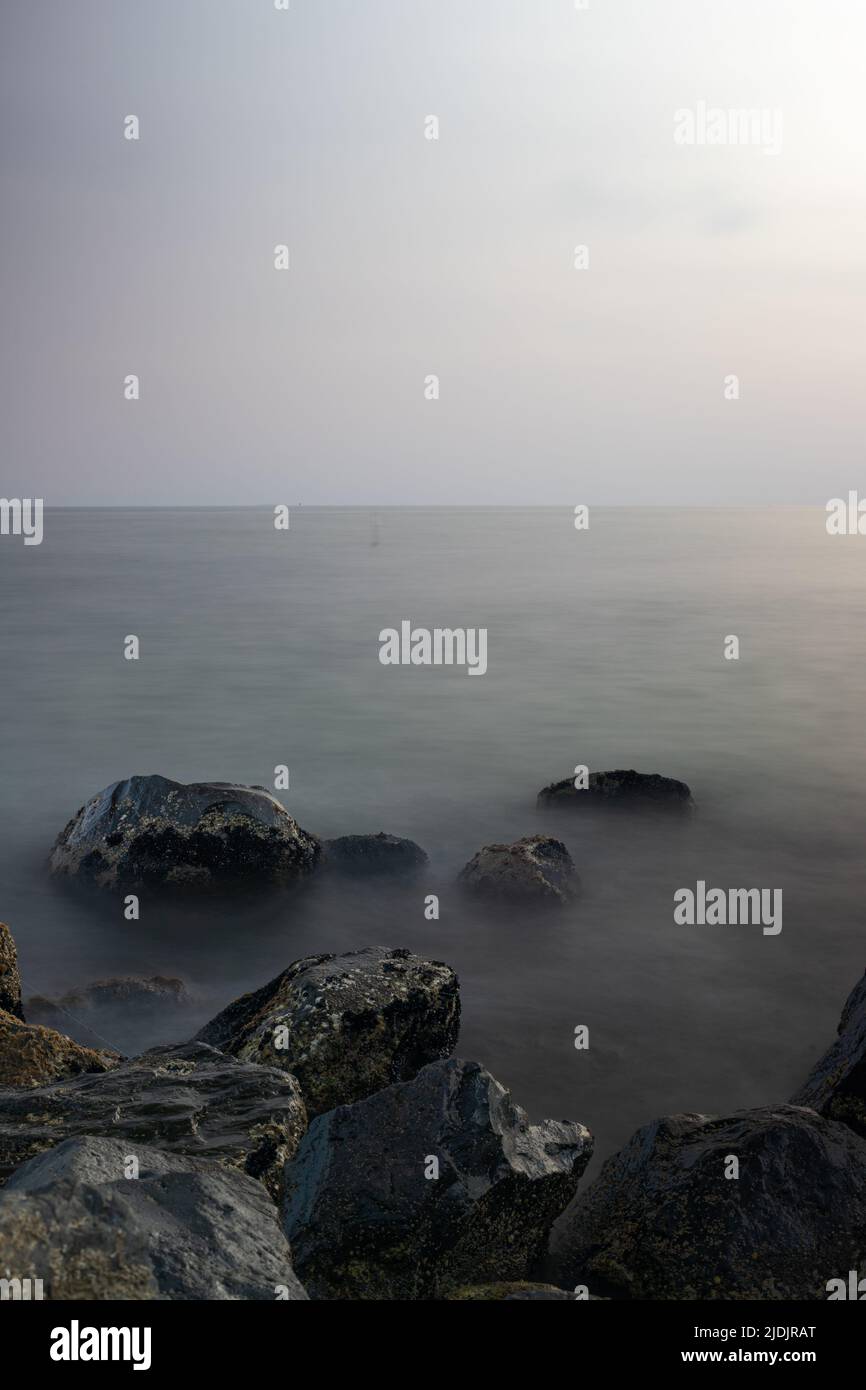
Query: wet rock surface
[(149, 832), (187, 1099), (536, 869), (182, 1229), (10, 979), (365, 1219), (31, 1055), (345, 1025), (836, 1087), (622, 787), (367, 856), (663, 1222)]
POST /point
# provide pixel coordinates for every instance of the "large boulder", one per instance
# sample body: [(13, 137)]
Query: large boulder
[(34, 1056), (148, 832), (10, 979), (623, 787), (188, 1099), (367, 1217), (536, 869), (182, 1229), (346, 1025), (662, 1220), (369, 856), (836, 1086)]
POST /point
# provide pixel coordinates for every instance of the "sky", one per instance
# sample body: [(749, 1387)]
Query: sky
[(411, 257)]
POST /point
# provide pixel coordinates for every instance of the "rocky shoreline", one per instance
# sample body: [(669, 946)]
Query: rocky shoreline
[(318, 1139)]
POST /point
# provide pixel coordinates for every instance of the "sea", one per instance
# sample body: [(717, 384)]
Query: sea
[(607, 647)]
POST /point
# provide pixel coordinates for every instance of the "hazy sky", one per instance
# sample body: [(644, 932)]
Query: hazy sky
[(411, 257)]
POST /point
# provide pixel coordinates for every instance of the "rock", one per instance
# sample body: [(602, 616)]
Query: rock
[(366, 1221), (182, 1229), (128, 993), (620, 788), (363, 856), (188, 1099), (133, 1013), (350, 1024), (149, 832), (509, 1293), (663, 1222), (836, 1086), (10, 979), (34, 1056), (534, 869)]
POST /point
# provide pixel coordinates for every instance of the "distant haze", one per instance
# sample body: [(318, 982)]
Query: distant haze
[(412, 257)]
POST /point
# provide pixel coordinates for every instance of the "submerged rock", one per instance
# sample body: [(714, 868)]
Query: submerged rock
[(187, 1099), (662, 1221), (10, 979), (368, 1218), (363, 856), (346, 1025), (624, 787), (183, 1228), (34, 1056), (836, 1086), (129, 993), (534, 869), (150, 832)]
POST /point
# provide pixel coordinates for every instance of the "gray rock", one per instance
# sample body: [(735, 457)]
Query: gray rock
[(836, 1086), (623, 787), (148, 832), (346, 1025), (364, 1219), (536, 869), (188, 1099), (10, 979), (367, 856), (183, 1229), (663, 1222)]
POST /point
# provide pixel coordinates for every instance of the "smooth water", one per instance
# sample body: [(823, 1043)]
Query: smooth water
[(260, 647)]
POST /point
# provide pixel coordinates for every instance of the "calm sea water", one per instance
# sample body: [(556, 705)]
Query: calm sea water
[(605, 647)]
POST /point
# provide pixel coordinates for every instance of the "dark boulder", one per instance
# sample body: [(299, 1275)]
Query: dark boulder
[(535, 869), (367, 1218), (34, 1056), (623, 787), (836, 1086), (10, 979), (368, 856), (662, 1221), (188, 1099), (148, 832), (346, 1025), (182, 1229)]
